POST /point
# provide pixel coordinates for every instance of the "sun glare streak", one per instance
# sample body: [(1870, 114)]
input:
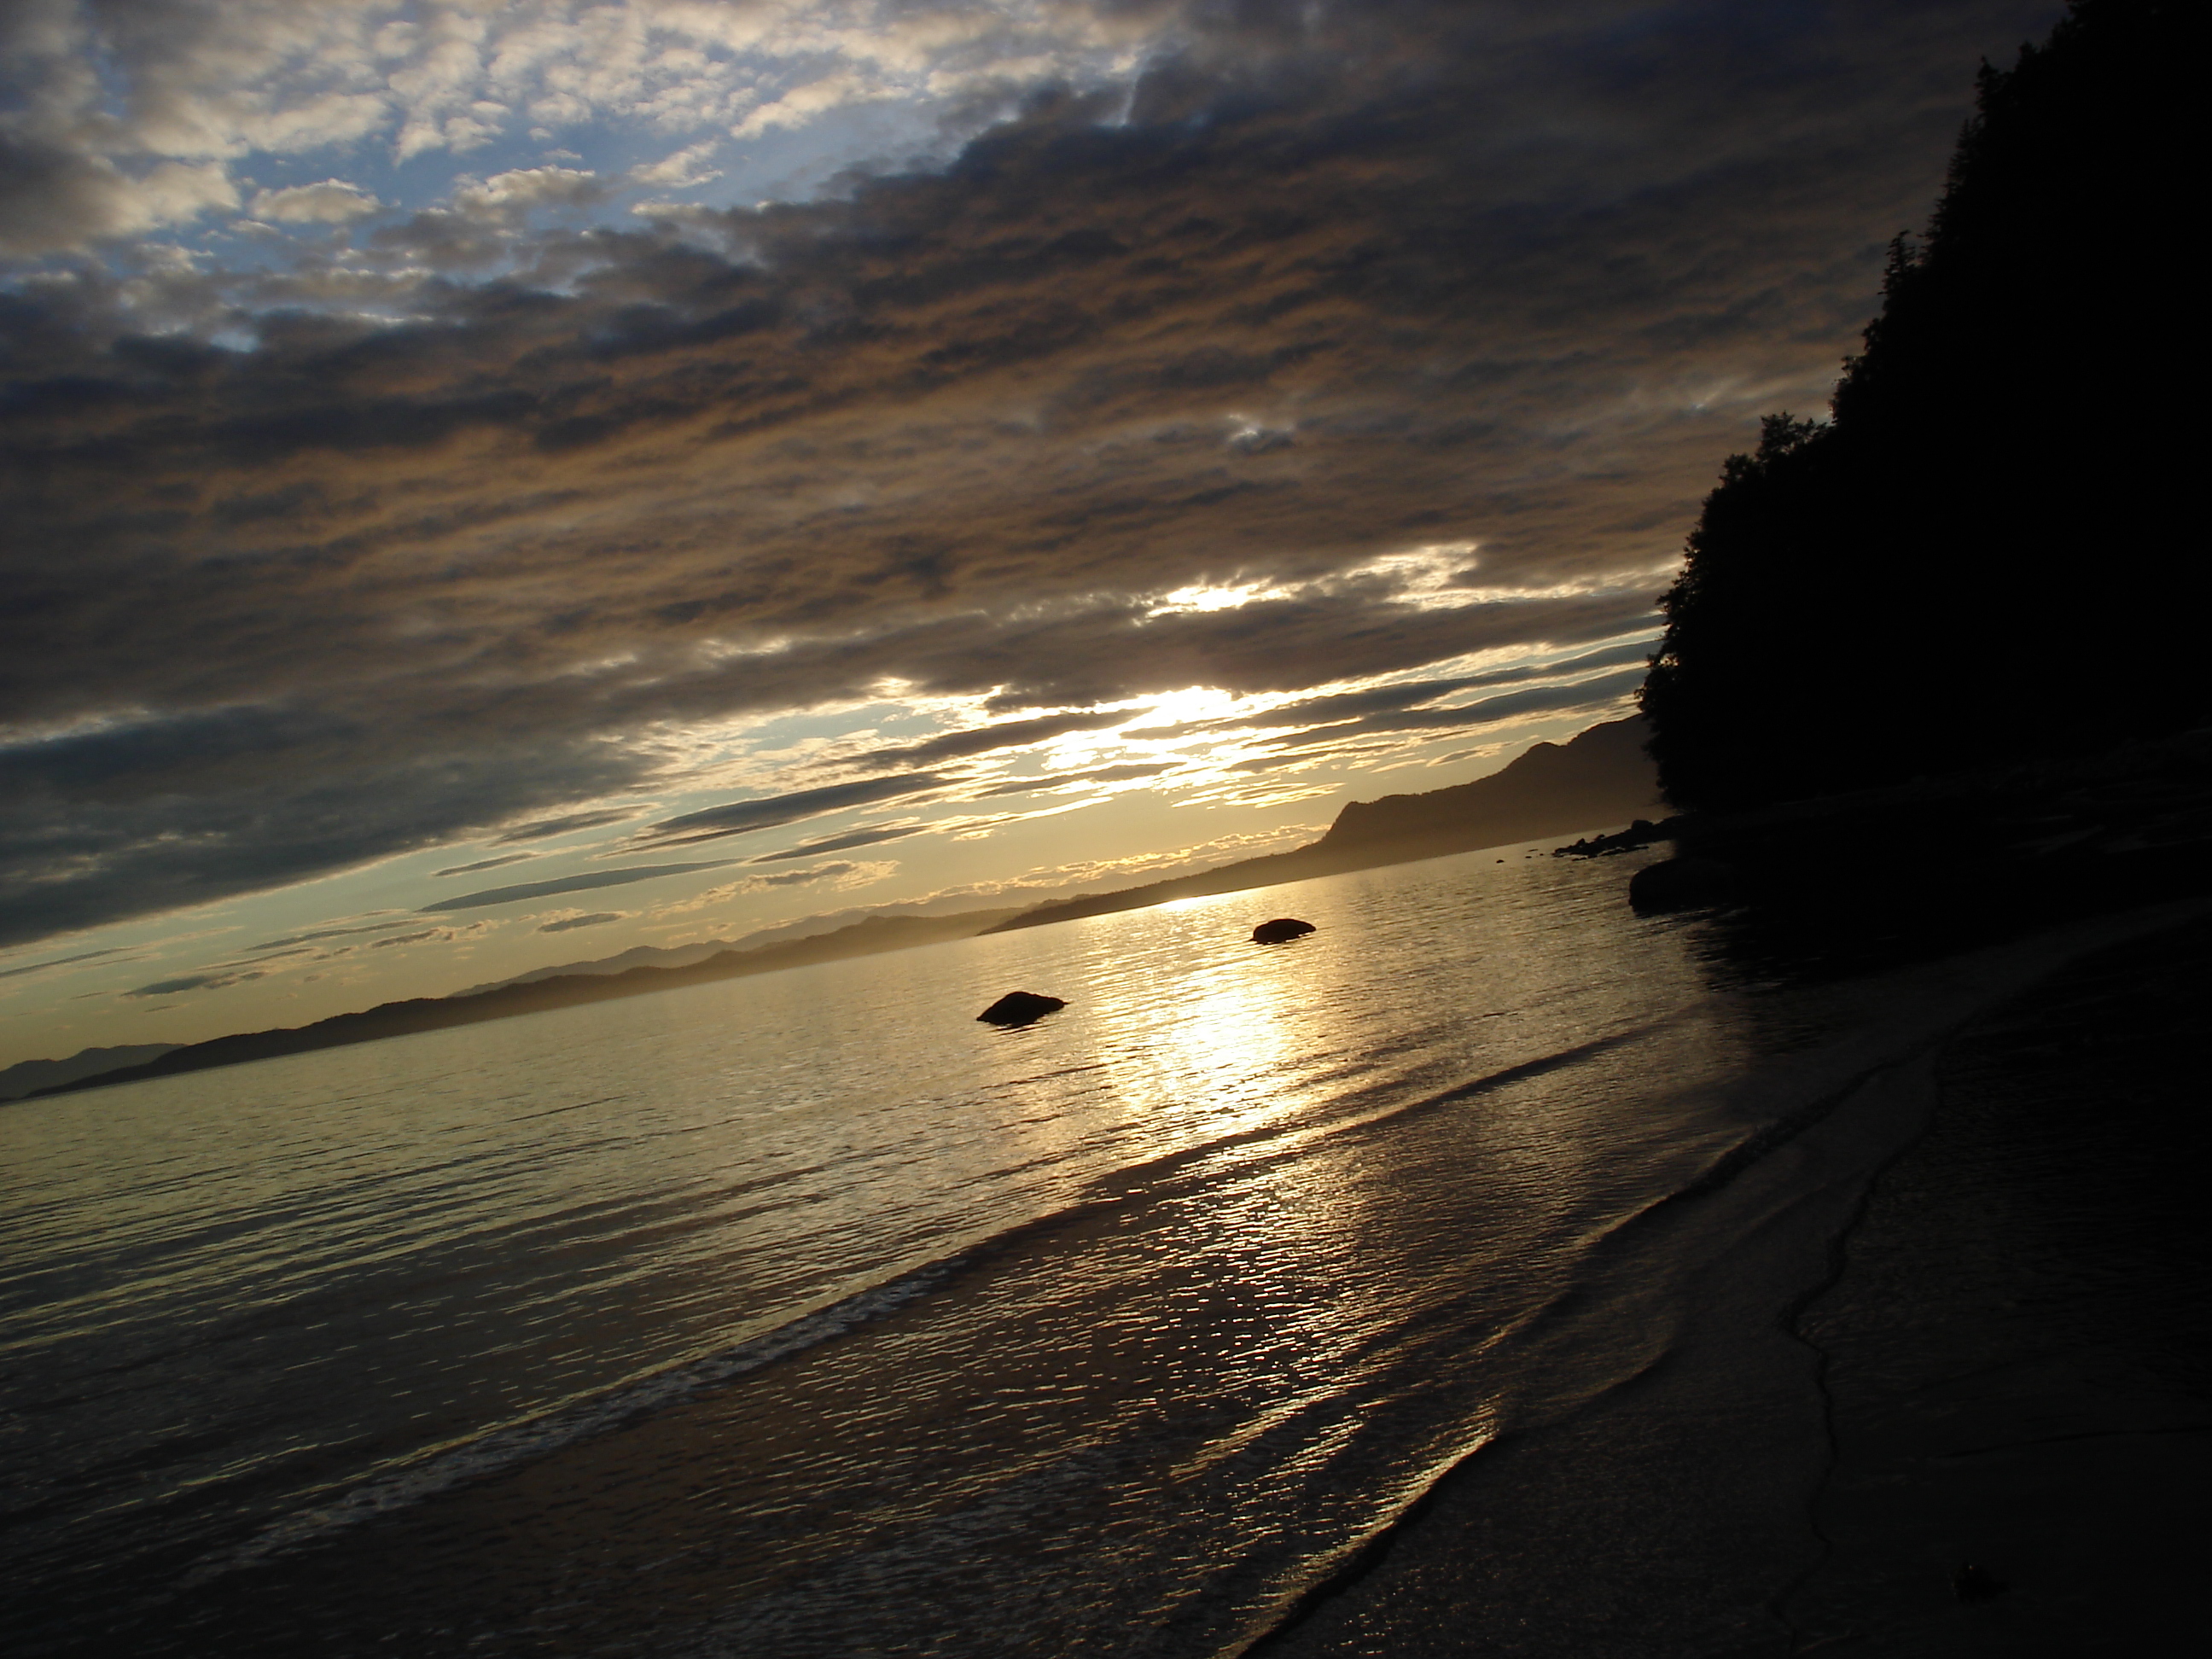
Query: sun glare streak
[(1201, 598)]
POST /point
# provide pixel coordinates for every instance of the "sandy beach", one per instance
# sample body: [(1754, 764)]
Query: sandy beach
[(2017, 1349), (1984, 1426)]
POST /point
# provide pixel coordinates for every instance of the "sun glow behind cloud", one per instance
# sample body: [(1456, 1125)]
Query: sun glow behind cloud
[(1104, 468)]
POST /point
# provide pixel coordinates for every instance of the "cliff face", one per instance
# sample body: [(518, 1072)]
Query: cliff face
[(1603, 776)]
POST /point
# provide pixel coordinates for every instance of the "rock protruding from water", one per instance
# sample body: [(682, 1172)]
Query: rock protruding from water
[(1640, 834), (1682, 884), (1281, 931), (1021, 1008)]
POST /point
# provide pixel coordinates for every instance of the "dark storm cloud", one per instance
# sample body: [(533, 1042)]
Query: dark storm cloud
[(1336, 283), (558, 885)]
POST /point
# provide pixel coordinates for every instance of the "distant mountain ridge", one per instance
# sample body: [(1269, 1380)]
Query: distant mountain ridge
[(790, 932), (1601, 777), (405, 1019), (31, 1076)]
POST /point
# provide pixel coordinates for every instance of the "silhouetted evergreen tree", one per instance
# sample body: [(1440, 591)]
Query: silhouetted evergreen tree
[(1992, 548)]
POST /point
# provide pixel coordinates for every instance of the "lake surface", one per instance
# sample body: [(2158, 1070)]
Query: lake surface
[(803, 1315)]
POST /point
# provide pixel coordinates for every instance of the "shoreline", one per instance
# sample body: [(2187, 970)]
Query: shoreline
[(1818, 1479), (2017, 1358)]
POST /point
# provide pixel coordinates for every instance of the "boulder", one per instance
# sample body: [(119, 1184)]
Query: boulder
[(1021, 1008), (1682, 884), (1281, 931)]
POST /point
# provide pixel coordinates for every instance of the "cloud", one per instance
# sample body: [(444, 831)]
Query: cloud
[(546, 829), (1097, 873), (215, 981), (1513, 705), (865, 837), (835, 876), (484, 221), (685, 170), (333, 202), (568, 923), (821, 872), (319, 933), (57, 961), (1121, 774), (744, 816), (534, 889), (416, 938), (509, 194), (144, 816), (1382, 699), (457, 551), (55, 200), (1004, 734), (484, 864)]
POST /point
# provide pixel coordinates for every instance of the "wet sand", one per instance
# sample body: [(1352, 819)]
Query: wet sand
[(2020, 1348), (1984, 1428)]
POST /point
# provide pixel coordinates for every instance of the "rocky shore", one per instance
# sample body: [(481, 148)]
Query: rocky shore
[(1983, 1425)]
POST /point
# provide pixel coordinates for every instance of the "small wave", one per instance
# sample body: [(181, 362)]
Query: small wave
[(442, 1469)]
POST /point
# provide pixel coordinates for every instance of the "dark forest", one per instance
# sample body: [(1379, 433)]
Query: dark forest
[(1986, 552)]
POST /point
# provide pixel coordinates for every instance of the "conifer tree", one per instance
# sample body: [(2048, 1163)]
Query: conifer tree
[(1989, 549)]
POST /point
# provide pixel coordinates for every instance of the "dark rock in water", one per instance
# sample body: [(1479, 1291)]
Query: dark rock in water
[(1680, 883), (1642, 833), (1281, 930), (1977, 1584), (1021, 1008)]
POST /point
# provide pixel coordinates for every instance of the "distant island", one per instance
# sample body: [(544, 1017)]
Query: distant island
[(1602, 777)]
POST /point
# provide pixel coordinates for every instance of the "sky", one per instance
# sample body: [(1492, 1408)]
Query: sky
[(492, 485)]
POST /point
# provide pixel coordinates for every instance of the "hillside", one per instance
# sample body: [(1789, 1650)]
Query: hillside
[(1982, 556), (389, 1019), (32, 1075), (1601, 777)]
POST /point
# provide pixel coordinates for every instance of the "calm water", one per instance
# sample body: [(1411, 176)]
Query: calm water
[(803, 1314)]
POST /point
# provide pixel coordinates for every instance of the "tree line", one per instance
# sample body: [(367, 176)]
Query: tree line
[(1992, 547)]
